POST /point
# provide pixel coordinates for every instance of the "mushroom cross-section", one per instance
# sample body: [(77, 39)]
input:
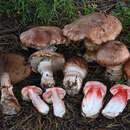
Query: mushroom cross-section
[(113, 55), (95, 28), (75, 70), (42, 36), (45, 63), (55, 95), (94, 93), (31, 93), (116, 105), (12, 69)]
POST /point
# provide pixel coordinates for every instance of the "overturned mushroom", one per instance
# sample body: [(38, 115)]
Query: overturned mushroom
[(95, 28), (75, 70), (113, 55), (55, 95), (32, 93), (12, 69), (116, 105), (45, 63), (92, 103)]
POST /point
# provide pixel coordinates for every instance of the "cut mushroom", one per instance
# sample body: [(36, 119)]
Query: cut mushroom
[(95, 28), (45, 63), (116, 105), (31, 93), (75, 70), (113, 55), (127, 71), (92, 103), (55, 95), (12, 69)]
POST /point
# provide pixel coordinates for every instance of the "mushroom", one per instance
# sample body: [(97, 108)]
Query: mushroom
[(32, 93), (116, 105), (55, 95), (92, 103), (12, 69), (42, 36), (127, 71), (113, 55), (75, 70), (45, 63), (95, 28)]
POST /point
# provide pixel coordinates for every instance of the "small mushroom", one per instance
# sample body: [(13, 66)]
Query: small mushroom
[(31, 93), (113, 55), (12, 69), (95, 28), (75, 70), (127, 71), (55, 95), (92, 103), (45, 63), (41, 36), (116, 105)]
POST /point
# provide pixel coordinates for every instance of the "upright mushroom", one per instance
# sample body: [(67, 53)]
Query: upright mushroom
[(127, 71), (75, 70), (12, 69), (95, 28), (45, 63), (55, 95), (113, 55), (121, 93), (94, 93)]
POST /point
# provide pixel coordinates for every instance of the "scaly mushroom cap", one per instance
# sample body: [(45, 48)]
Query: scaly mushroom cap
[(112, 53), (97, 27), (127, 69), (57, 60), (15, 65), (40, 37)]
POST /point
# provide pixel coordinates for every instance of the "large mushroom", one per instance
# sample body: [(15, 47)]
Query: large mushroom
[(113, 55), (75, 70), (127, 71), (95, 28), (45, 63), (116, 105), (13, 69)]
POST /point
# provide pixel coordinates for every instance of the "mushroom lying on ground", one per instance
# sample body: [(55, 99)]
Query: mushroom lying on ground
[(75, 70), (55, 95), (12, 69), (95, 28), (92, 103), (127, 71), (113, 55), (32, 93), (41, 36), (45, 63), (116, 105)]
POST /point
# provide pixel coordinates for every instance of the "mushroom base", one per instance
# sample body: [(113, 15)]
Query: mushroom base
[(114, 73)]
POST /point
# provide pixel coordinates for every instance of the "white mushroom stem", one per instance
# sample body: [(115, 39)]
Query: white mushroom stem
[(128, 81), (114, 73), (41, 106), (44, 68)]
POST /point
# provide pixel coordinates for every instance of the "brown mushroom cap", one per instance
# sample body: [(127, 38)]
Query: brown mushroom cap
[(40, 37), (112, 53), (97, 27), (127, 69), (15, 65), (57, 60)]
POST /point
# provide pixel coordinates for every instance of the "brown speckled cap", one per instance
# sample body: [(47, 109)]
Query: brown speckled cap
[(40, 37), (96, 27), (57, 59), (15, 65), (127, 69), (112, 53)]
